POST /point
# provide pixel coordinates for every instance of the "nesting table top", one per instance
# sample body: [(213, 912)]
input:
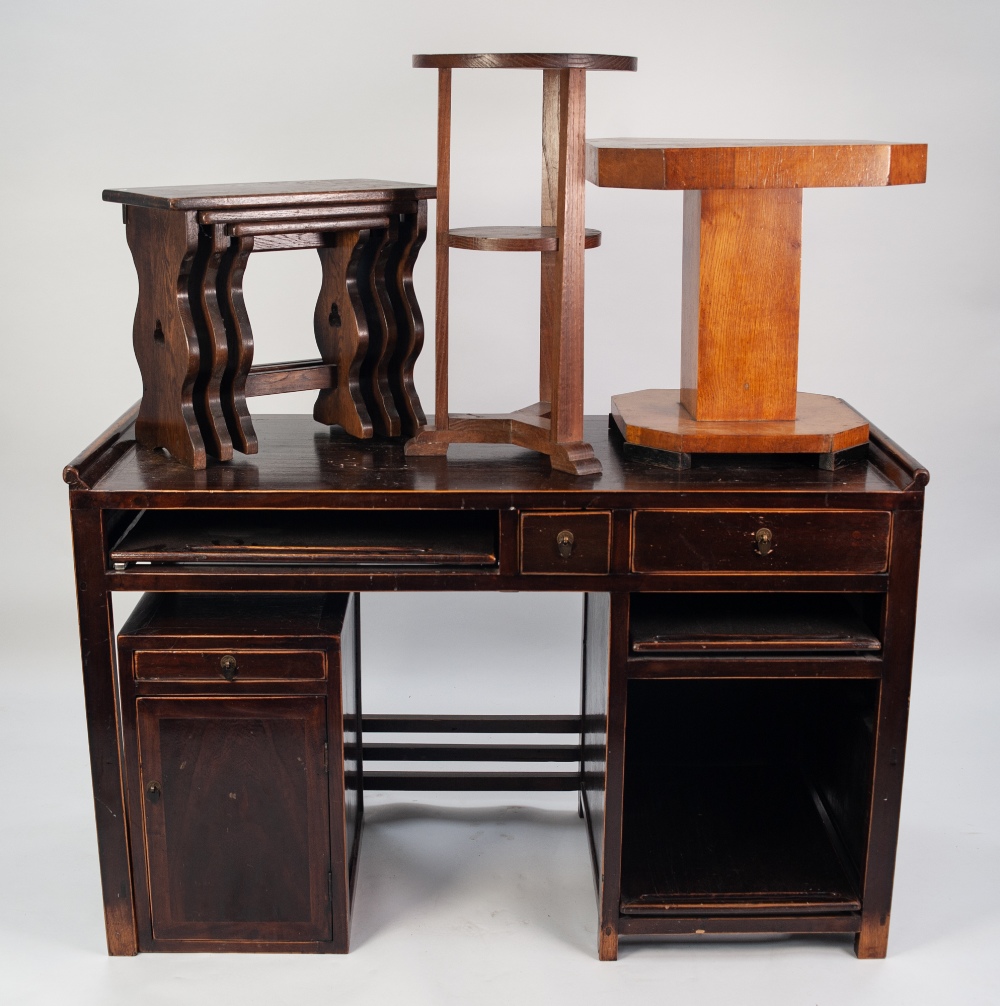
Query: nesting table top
[(278, 194)]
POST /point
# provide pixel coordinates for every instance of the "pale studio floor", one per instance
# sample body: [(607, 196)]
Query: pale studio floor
[(491, 899)]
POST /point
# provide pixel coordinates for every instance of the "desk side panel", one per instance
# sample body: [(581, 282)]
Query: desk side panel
[(98, 656), (890, 737), (602, 776)]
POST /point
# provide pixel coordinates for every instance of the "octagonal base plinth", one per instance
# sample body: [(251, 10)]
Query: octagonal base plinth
[(656, 419)]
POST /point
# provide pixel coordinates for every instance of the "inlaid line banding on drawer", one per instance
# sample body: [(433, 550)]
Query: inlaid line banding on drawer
[(554, 543), (229, 665), (735, 541)]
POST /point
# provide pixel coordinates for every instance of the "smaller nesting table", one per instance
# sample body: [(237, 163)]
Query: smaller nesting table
[(192, 335), (740, 294)]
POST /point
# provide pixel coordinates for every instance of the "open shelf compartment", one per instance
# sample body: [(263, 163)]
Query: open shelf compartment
[(746, 797), (751, 623)]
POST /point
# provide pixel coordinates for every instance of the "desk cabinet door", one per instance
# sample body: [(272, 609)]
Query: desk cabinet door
[(236, 818)]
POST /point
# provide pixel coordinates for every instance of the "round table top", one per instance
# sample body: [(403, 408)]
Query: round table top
[(653, 163), (525, 61)]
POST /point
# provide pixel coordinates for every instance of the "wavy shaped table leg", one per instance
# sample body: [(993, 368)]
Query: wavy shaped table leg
[(164, 245), (212, 246), (239, 338), (409, 321), (381, 334), (340, 324)]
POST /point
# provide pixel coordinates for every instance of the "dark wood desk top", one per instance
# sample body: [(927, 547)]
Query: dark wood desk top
[(302, 463)]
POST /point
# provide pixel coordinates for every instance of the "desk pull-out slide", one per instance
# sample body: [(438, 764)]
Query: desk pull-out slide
[(292, 537)]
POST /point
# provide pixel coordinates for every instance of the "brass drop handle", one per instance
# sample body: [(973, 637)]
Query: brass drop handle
[(228, 667), (764, 540), (153, 792), (564, 542)]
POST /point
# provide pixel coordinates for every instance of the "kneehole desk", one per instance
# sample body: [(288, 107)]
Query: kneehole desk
[(748, 639)]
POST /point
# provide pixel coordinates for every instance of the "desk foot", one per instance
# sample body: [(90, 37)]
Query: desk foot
[(873, 940), (607, 944)]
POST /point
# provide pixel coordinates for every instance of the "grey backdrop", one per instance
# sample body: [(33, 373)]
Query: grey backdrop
[(900, 312)]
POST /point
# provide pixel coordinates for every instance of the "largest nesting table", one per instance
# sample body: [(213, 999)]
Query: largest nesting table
[(738, 751)]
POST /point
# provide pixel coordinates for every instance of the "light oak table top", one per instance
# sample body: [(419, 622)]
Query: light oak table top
[(651, 163)]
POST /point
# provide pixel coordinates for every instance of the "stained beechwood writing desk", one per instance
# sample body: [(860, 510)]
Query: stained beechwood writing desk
[(748, 632)]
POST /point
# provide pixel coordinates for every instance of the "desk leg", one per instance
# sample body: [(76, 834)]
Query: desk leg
[(890, 735), (98, 653), (604, 652)]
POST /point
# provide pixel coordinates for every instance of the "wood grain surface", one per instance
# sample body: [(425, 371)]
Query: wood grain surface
[(213, 246), (240, 338), (409, 321), (268, 194), (819, 541), (244, 821), (541, 239), (441, 254), (752, 792), (164, 337), (746, 624), (642, 163), (658, 419), (340, 325), (525, 61), (740, 304), (553, 426), (331, 469)]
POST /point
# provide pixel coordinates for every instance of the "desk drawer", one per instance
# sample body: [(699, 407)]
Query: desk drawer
[(821, 541), (229, 665), (566, 542)]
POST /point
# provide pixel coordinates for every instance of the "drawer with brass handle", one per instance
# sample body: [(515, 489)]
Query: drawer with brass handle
[(566, 542), (229, 665), (760, 541)]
